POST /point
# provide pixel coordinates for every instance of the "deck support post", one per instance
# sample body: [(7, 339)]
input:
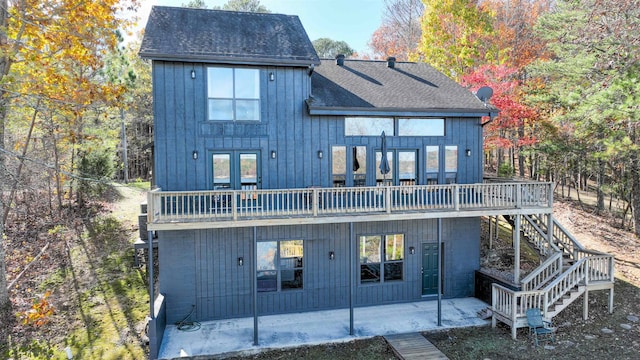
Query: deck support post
[(150, 271), (611, 299), (516, 246), (254, 285), (352, 246), (439, 271), (585, 305), (491, 231)]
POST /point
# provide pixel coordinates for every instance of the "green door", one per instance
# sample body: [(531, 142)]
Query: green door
[(429, 268)]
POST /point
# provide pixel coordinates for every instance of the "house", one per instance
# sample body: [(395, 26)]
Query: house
[(287, 183)]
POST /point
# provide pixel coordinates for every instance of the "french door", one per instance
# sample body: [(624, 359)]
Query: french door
[(236, 170)]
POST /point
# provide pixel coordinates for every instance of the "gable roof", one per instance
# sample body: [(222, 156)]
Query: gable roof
[(187, 34), (362, 87)]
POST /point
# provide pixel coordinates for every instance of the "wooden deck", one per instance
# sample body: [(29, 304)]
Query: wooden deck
[(413, 346), (175, 210)]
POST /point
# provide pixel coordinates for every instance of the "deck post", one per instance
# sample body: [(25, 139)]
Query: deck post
[(352, 245), (439, 271), (150, 271), (387, 191), (516, 245), (611, 300), (491, 232), (585, 305), (254, 285)]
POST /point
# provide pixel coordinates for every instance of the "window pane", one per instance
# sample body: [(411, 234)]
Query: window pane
[(369, 273), (393, 271), (220, 109), (220, 82), (292, 248), (221, 171), (380, 176), (267, 281), (451, 158), (368, 126), (421, 127), (291, 279), (266, 259), (370, 249), (247, 110), (267, 276), (339, 165), (291, 261), (433, 160), (359, 166), (407, 167), (394, 247), (247, 83), (248, 171)]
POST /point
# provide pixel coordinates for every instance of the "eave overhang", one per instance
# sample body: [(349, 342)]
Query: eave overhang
[(409, 112), (230, 60)]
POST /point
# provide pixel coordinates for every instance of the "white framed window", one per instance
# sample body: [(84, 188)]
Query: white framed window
[(233, 94)]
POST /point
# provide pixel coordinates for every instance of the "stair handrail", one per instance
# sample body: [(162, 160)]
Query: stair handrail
[(569, 243), (549, 269), (563, 284), (540, 234)]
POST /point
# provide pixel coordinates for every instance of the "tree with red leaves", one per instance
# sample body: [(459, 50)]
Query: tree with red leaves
[(512, 130)]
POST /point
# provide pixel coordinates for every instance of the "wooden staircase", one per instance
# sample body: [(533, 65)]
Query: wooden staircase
[(568, 272)]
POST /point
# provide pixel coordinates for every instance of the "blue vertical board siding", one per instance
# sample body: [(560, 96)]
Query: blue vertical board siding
[(285, 127), (201, 267)]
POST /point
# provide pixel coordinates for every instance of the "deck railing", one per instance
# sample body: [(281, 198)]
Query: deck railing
[(190, 206), (540, 289)]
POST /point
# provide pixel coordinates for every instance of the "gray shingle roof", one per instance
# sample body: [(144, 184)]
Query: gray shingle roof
[(370, 87), (186, 34)]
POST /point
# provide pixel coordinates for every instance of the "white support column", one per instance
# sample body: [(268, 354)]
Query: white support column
[(611, 300), (585, 305), (491, 231), (516, 246)]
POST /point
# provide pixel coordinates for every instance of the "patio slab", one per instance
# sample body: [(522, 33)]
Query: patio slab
[(220, 337)]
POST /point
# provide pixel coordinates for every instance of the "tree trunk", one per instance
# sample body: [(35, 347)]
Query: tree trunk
[(5, 63), (634, 168), (599, 191)]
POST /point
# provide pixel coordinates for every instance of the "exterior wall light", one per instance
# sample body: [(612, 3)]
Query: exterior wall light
[(194, 155), (273, 154), (412, 250), (320, 154), (272, 76), (468, 152), (193, 74), (240, 261), (332, 255)]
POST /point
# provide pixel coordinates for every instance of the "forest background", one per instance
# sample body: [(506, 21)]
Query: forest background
[(76, 102)]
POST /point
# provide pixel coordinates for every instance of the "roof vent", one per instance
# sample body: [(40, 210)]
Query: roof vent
[(340, 60), (391, 62)]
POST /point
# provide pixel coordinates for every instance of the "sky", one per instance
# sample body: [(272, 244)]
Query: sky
[(352, 21)]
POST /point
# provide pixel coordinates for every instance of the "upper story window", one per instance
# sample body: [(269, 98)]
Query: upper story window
[(354, 126), (420, 127), (374, 126), (233, 94)]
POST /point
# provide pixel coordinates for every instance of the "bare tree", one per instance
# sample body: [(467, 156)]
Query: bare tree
[(400, 31)]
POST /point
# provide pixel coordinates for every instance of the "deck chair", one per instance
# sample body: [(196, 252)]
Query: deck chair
[(539, 329)]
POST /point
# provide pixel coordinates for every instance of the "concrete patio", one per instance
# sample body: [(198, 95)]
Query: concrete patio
[(217, 338)]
